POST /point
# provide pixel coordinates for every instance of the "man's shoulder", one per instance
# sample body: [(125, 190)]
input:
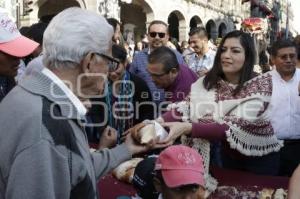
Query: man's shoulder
[(21, 103), (142, 54), (139, 59), (188, 72), (19, 96)]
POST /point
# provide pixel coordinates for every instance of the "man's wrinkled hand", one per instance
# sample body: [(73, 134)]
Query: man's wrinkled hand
[(108, 138)]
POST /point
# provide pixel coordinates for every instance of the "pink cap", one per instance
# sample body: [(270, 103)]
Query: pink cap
[(11, 41), (180, 165)]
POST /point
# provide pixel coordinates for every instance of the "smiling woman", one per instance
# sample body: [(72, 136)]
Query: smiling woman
[(234, 61), (218, 109)]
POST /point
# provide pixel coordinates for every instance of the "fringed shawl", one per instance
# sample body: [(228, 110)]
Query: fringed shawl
[(250, 131)]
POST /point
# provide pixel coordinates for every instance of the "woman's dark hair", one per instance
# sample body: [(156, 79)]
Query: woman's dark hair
[(216, 73), (119, 52)]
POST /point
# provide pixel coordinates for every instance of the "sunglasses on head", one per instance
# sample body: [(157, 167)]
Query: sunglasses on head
[(160, 34)]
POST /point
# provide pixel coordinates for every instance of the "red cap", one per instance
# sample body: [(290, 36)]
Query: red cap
[(180, 165)]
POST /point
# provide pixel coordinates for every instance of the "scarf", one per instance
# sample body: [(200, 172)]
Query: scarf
[(250, 131)]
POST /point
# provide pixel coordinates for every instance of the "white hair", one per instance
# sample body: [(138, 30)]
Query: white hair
[(74, 33)]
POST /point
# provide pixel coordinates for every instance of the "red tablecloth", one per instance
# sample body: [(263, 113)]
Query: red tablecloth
[(110, 188), (233, 178)]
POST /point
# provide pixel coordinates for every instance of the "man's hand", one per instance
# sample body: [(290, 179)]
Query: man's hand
[(135, 147), (108, 138)]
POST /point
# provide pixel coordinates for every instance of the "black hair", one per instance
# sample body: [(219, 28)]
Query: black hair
[(279, 44), (200, 31), (143, 178), (158, 175), (297, 41), (216, 73), (119, 52), (47, 18), (36, 32), (113, 22), (157, 22), (164, 56), (24, 30)]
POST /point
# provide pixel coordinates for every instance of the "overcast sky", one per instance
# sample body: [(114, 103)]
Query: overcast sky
[(296, 7)]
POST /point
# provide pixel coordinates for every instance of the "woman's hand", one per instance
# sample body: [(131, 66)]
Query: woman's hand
[(108, 138), (176, 129)]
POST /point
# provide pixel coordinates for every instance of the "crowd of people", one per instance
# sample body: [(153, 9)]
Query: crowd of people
[(70, 84)]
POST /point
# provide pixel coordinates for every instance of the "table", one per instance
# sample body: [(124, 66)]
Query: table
[(110, 188)]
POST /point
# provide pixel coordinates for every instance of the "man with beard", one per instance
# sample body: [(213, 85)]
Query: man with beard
[(203, 58), (158, 36)]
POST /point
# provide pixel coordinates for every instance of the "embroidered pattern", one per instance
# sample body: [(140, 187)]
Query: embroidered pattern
[(261, 85)]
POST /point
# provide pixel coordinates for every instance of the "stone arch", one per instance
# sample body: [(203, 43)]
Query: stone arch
[(177, 25), (135, 17), (211, 29), (222, 30), (195, 22)]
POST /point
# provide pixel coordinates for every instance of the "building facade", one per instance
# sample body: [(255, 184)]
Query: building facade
[(217, 16)]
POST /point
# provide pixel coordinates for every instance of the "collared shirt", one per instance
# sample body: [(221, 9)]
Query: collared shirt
[(138, 67), (205, 62), (285, 106), (76, 102)]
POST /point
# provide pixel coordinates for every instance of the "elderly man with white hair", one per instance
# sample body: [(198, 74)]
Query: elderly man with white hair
[(44, 151)]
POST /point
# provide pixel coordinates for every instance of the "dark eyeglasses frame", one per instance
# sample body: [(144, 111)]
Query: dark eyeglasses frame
[(157, 75), (112, 63), (160, 34)]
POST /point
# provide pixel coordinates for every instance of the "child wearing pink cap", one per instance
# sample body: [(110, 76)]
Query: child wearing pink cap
[(179, 173)]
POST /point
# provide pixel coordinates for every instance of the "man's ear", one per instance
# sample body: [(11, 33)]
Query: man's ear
[(167, 36), (157, 184), (272, 58), (87, 60)]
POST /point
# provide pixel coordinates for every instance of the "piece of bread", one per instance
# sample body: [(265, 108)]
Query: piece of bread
[(280, 194), (266, 193), (124, 172), (145, 134)]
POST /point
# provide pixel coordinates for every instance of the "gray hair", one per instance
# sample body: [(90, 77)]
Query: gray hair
[(74, 33)]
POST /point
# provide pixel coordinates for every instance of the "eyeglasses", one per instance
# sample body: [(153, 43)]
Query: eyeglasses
[(160, 34), (112, 63), (157, 75)]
